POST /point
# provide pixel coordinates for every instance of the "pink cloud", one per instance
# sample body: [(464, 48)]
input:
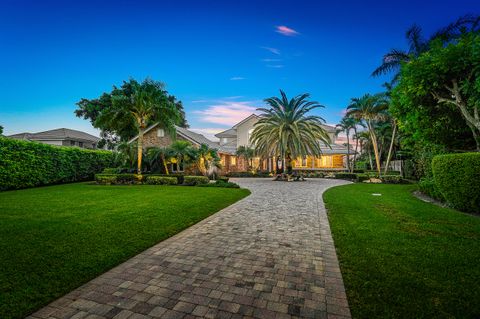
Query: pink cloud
[(226, 112), (284, 30)]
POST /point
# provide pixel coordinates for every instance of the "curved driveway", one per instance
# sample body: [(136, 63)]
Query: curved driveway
[(270, 255)]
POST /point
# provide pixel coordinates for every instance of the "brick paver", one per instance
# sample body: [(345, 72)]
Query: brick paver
[(270, 255)]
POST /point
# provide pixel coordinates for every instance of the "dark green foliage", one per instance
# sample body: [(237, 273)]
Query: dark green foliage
[(392, 179), (347, 176), (220, 183), (223, 178), (428, 187), (106, 179), (249, 174), (195, 180), (28, 164), (129, 178), (401, 257), (110, 171), (54, 239), (457, 177), (161, 180), (362, 177)]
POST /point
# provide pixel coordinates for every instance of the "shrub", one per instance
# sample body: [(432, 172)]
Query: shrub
[(161, 180), (129, 178), (359, 171), (347, 176), (110, 171), (179, 177), (249, 174), (29, 164), (106, 179), (392, 179), (362, 177), (195, 180), (220, 183), (428, 187), (223, 178), (457, 177)]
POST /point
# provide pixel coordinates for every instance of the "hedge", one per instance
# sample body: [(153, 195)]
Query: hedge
[(347, 176), (428, 187), (161, 180), (220, 183), (195, 180), (249, 174), (457, 177), (28, 164)]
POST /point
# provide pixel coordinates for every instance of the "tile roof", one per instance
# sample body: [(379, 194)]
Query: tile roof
[(57, 134)]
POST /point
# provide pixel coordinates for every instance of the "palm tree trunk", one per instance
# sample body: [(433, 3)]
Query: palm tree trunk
[(139, 150), (356, 148), (165, 166), (391, 147), (348, 150), (373, 137)]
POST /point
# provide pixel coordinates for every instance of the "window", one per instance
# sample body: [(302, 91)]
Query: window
[(224, 140), (233, 160), (80, 144), (72, 143), (160, 132), (304, 161)]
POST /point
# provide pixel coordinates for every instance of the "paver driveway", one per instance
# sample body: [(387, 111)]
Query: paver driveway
[(270, 255)]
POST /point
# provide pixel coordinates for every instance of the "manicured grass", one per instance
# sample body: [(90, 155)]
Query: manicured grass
[(404, 258), (53, 239)]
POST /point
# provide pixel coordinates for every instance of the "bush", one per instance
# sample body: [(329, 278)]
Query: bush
[(359, 171), (249, 174), (392, 179), (220, 183), (161, 180), (28, 164), (110, 171), (457, 177), (179, 177), (106, 179), (347, 176), (223, 178), (195, 180), (129, 179), (362, 177), (428, 187)]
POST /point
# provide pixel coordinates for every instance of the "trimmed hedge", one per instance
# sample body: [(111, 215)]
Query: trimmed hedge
[(392, 179), (119, 179), (179, 177), (161, 180), (428, 187), (28, 164), (220, 183), (457, 177), (195, 180), (110, 170), (347, 176), (362, 177), (249, 174)]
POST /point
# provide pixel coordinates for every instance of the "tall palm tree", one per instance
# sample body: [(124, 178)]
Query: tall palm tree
[(346, 125), (417, 44), (148, 101), (371, 109), (358, 123), (247, 153), (287, 130)]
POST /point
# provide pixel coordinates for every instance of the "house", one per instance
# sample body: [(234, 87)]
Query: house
[(239, 135), (60, 137), (333, 157)]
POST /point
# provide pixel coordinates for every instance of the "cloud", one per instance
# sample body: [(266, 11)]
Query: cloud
[(199, 101), (271, 60), (272, 50), (237, 78), (275, 66), (286, 31), (226, 112)]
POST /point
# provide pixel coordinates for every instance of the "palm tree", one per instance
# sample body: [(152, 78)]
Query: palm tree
[(159, 156), (358, 123), (285, 129), (127, 155), (247, 153), (365, 145), (346, 125), (182, 152), (206, 158), (148, 101), (417, 44), (371, 109)]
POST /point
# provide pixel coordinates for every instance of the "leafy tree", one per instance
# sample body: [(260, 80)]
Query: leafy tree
[(207, 159), (287, 130), (369, 108), (417, 44), (112, 133), (158, 157), (183, 153), (346, 125), (247, 153), (1, 130)]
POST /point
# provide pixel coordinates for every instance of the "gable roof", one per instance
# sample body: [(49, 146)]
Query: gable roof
[(231, 132), (57, 134), (190, 136), (245, 119)]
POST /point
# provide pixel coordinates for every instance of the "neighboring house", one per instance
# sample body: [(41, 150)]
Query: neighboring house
[(239, 135), (333, 157), (61, 137)]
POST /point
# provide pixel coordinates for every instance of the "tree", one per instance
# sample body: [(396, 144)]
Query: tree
[(286, 129), (112, 132), (345, 126), (247, 153), (207, 158), (159, 156), (1, 130), (417, 44), (183, 153), (127, 155), (453, 76), (369, 108), (358, 123)]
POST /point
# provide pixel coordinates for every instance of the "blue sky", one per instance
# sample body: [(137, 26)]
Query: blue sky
[(221, 58)]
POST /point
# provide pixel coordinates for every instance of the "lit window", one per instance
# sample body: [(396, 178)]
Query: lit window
[(160, 132), (233, 160)]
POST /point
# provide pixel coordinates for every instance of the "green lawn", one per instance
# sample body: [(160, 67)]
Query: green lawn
[(404, 258), (53, 239)]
